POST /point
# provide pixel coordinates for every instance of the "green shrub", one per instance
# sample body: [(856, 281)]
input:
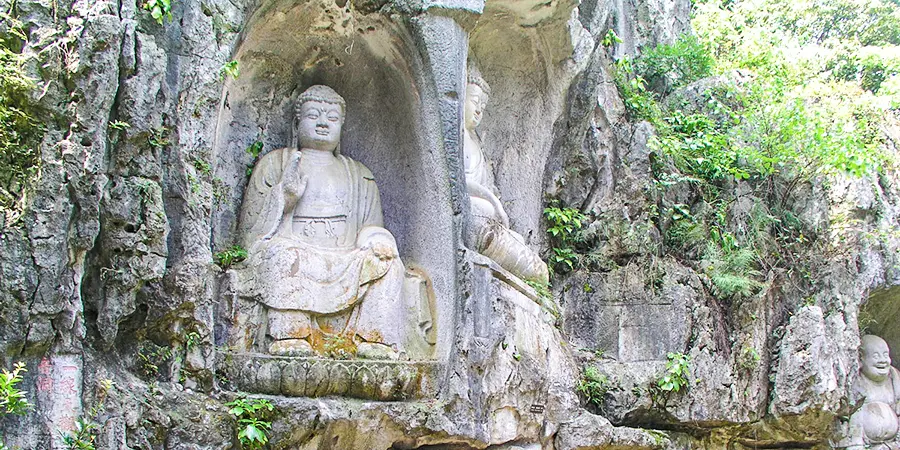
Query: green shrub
[(640, 104), (250, 414), (12, 399), (82, 437), (698, 148), (20, 130), (593, 385), (676, 65), (159, 9), (677, 372), (563, 226)]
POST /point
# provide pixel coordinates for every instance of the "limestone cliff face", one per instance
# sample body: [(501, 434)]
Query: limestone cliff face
[(109, 273)]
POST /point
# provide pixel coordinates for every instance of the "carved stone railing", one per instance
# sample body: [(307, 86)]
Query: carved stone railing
[(320, 377)]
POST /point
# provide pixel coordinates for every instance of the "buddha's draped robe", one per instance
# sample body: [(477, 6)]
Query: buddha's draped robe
[(490, 236), (296, 273)]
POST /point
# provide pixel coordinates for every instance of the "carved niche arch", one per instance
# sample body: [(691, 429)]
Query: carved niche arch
[(391, 125)]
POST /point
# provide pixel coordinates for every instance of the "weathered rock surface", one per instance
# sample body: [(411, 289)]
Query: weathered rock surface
[(110, 270)]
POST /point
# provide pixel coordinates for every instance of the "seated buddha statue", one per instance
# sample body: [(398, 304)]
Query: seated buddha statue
[(489, 230), (877, 392), (320, 259)]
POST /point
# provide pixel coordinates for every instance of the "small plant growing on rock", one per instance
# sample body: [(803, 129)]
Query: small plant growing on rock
[(226, 258), (191, 340), (119, 125), (21, 128), (542, 289), (255, 149), (640, 104), (250, 414), (159, 137), (151, 356), (12, 400), (677, 371), (563, 225), (610, 39), (674, 380), (749, 358), (203, 166), (159, 9), (338, 346), (85, 432), (230, 69), (593, 385), (82, 437)]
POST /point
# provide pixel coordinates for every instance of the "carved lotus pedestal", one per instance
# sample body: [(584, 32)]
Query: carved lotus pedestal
[(321, 377), (250, 368)]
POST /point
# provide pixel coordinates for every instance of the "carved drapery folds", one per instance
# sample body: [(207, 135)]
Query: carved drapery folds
[(325, 272)]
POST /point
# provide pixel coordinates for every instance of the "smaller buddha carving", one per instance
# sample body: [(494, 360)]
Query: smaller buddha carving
[(320, 261), (489, 230), (876, 394)]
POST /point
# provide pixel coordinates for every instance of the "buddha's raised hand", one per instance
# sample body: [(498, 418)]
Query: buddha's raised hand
[(294, 183)]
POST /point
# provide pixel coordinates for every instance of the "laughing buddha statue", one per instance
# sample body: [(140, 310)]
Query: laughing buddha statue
[(876, 393)]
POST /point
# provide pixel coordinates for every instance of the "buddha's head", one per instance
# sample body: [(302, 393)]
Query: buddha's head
[(875, 358), (319, 115), (477, 92)]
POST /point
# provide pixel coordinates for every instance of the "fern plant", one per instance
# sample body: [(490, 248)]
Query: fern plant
[(227, 257), (732, 271)]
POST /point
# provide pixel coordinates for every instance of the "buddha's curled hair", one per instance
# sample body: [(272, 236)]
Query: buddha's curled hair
[(474, 77), (317, 93), (320, 93)]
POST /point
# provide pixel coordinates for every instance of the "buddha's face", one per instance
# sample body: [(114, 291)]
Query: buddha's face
[(319, 125), (476, 100), (875, 358)]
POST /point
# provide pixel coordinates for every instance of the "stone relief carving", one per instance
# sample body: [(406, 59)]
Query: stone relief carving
[(489, 230), (325, 270), (875, 398), (319, 377)]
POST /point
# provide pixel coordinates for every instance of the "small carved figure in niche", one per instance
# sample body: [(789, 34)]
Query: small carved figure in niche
[(320, 260), (876, 393), (490, 230)]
